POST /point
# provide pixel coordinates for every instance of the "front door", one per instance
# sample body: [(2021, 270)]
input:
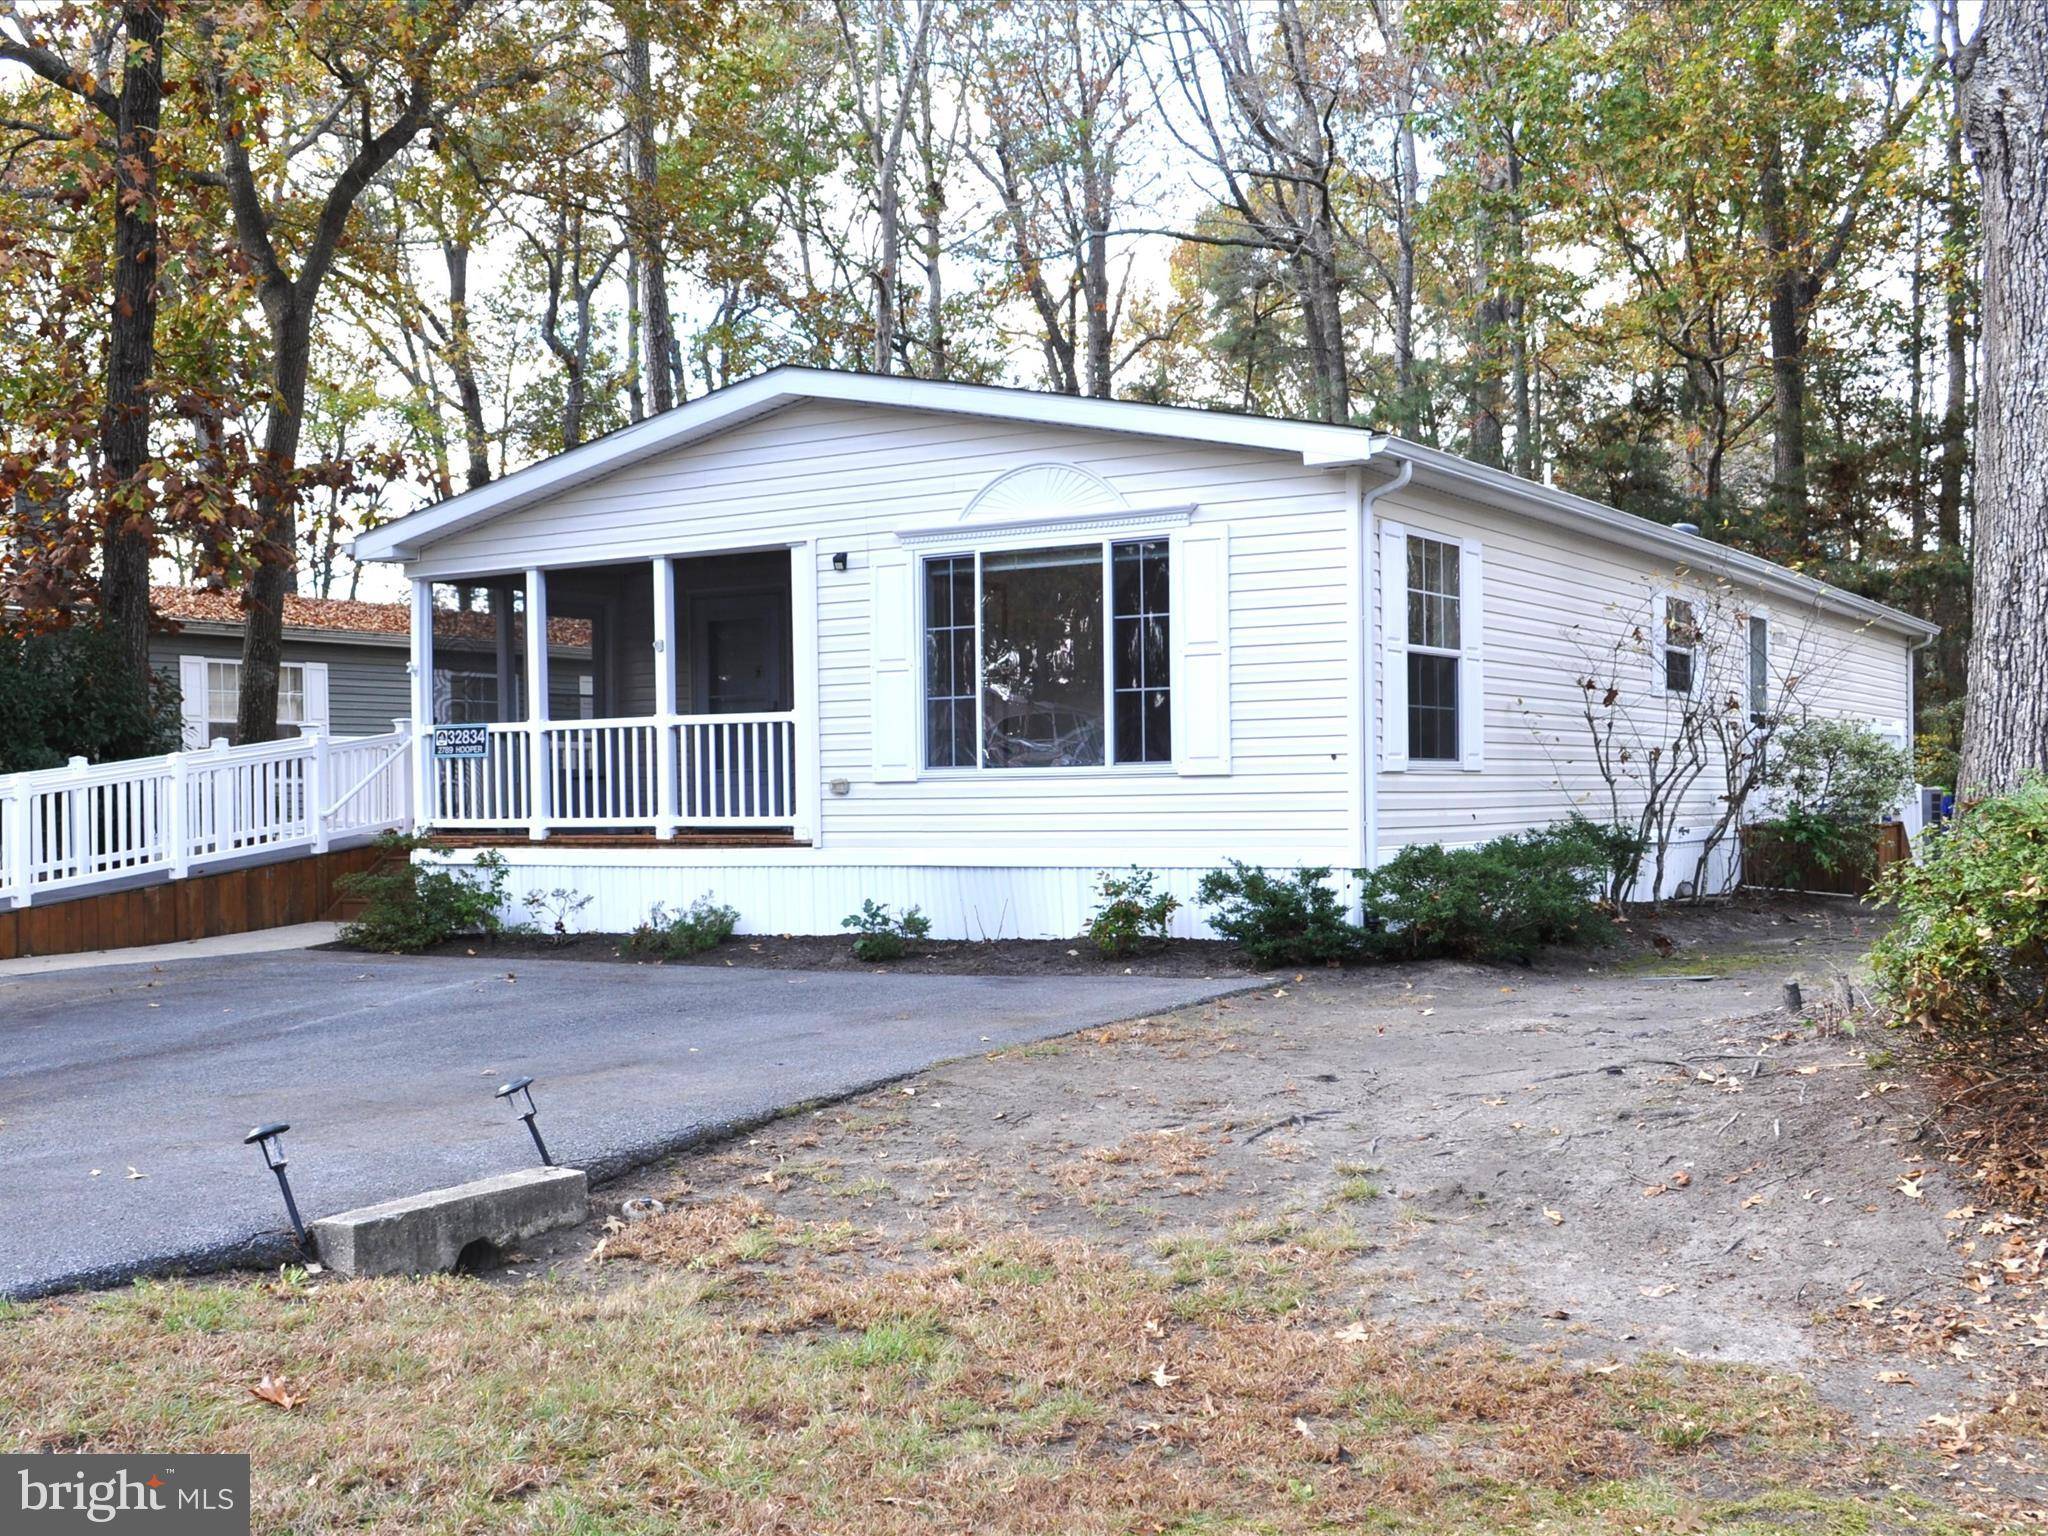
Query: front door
[(739, 654)]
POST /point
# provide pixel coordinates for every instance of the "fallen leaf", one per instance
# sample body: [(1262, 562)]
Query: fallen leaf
[(133, 1173), (1680, 1179), (272, 1390), (1657, 1290), (1353, 1333), (1162, 1377), (1755, 1200), (1555, 1218), (1895, 1378)]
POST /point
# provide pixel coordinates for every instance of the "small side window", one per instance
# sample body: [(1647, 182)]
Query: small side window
[(1759, 668), (1681, 645)]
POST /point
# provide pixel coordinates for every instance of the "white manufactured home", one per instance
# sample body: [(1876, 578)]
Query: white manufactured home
[(968, 648)]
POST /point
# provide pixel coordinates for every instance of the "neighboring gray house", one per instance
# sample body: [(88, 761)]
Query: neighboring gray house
[(345, 663)]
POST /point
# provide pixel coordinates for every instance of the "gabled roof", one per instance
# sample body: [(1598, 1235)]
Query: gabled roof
[(1312, 442)]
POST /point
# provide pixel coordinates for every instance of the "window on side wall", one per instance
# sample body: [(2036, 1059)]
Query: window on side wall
[(1434, 646), (223, 693), (1681, 645), (1048, 658), (1759, 668)]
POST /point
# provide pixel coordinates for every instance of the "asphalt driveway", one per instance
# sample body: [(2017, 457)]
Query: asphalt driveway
[(125, 1091)]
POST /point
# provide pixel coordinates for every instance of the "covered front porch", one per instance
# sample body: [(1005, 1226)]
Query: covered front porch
[(651, 699)]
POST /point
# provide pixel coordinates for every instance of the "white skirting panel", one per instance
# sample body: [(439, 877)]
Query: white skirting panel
[(777, 895)]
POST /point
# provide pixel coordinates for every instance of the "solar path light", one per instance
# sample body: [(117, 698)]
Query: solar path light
[(270, 1139), (520, 1090)]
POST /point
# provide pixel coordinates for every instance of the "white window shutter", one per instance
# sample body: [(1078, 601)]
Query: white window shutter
[(1199, 579), (1393, 647), (315, 674), (1472, 666), (192, 701), (892, 669), (1656, 647)]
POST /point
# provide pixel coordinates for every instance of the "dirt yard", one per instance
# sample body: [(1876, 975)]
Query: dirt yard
[(1621, 1246)]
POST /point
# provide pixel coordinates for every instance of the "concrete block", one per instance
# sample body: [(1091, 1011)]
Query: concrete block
[(425, 1234)]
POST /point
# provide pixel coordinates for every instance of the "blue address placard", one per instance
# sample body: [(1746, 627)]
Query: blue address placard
[(462, 740)]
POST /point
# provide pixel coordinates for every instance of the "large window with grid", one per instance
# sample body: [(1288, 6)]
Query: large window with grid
[(949, 662), (1434, 643), (1144, 717), (1056, 657)]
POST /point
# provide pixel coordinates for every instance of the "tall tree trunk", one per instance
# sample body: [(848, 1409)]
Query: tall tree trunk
[(1407, 191), (645, 223), (636, 395), (131, 339), (277, 531), (1518, 320), (1956, 345), (2004, 74), (1095, 285), (1787, 324), (462, 359)]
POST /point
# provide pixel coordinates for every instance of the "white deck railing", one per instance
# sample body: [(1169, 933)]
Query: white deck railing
[(681, 771), (66, 830)]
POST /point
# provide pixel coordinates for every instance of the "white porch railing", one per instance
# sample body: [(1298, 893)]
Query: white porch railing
[(681, 771), (66, 830)]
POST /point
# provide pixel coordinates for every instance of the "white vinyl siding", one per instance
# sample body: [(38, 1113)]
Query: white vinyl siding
[(1261, 619), (1542, 581)]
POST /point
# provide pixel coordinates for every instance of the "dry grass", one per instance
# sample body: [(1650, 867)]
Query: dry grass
[(991, 1385)]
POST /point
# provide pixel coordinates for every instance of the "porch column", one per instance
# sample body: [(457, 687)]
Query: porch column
[(667, 812), (537, 808), (425, 803), (806, 763), (506, 643)]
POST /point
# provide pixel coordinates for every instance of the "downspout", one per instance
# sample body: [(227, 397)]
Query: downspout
[(1369, 544)]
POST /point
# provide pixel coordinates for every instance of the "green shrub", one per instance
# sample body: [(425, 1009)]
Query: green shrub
[(1132, 915), (1280, 920), (880, 937), (1836, 780), (1967, 961), (1502, 900), (410, 907), (701, 926), (68, 693)]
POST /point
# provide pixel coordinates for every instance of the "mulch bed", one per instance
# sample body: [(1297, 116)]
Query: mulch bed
[(791, 952)]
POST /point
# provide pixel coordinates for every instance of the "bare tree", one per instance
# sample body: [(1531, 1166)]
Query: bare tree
[(1267, 127), (888, 73), (1058, 86)]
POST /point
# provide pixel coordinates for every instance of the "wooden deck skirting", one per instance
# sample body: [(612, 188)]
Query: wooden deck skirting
[(296, 890), (617, 840)]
